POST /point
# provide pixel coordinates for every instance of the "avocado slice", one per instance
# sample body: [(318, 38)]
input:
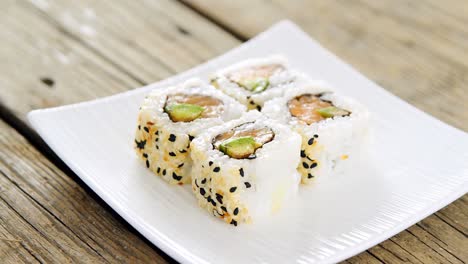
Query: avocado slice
[(184, 112), (239, 148), (256, 85), (332, 111)]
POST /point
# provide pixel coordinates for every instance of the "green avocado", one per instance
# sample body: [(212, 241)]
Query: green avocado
[(239, 148), (184, 112), (256, 85), (332, 111)]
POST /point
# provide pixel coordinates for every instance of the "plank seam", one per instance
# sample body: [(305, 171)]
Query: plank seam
[(430, 246), (375, 256), (215, 21), (452, 226), (404, 249), (31, 252), (391, 252)]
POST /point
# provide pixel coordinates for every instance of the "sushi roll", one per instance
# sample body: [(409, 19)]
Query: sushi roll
[(255, 81), (245, 169), (169, 119), (333, 128)]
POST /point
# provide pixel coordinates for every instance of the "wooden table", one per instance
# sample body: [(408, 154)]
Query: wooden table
[(56, 52)]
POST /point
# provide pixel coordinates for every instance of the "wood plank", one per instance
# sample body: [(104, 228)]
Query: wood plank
[(412, 48), (82, 50), (46, 216)]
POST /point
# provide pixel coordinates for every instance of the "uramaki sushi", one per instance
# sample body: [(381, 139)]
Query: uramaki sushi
[(255, 81), (170, 118), (334, 128), (245, 169)]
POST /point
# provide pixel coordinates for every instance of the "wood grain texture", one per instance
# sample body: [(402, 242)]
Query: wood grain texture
[(81, 50), (60, 52), (46, 216)]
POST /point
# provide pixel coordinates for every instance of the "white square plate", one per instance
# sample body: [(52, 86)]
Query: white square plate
[(419, 165)]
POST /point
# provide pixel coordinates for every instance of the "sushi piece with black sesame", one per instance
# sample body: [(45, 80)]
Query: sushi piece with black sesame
[(333, 128), (253, 168), (170, 118)]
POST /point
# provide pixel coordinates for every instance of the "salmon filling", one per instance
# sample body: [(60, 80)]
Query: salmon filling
[(192, 106), (310, 108), (254, 79), (242, 141)]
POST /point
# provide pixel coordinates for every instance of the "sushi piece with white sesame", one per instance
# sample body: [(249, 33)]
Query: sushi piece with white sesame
[(255, 81), (170, 118), (334, 129), (245, 169)]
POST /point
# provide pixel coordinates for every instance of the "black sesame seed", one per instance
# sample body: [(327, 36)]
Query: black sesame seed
[(233, 189), (234, 222), (196, 183), (157, 147), (216, 169), (247, 184), (202, 191), (309, 176), (164, 172), (303, 155), (313, 165), (203, 181), (315, 136), (139, 127), (311, 141), (219, 197), (190, 138), (210, 163), (223, 208), (252, 102), (172, 154), (159, 170), (156, 133), (140, 144), (236, 211), (305, 165), (180, 165), (253, 156), (47, 81), (147, 164), (182, 151), (145, 155), (176, 177), (241, 172), (212, 202), (146, 129), (172, 138), (248, 96), (259, 108), (156, 140)]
